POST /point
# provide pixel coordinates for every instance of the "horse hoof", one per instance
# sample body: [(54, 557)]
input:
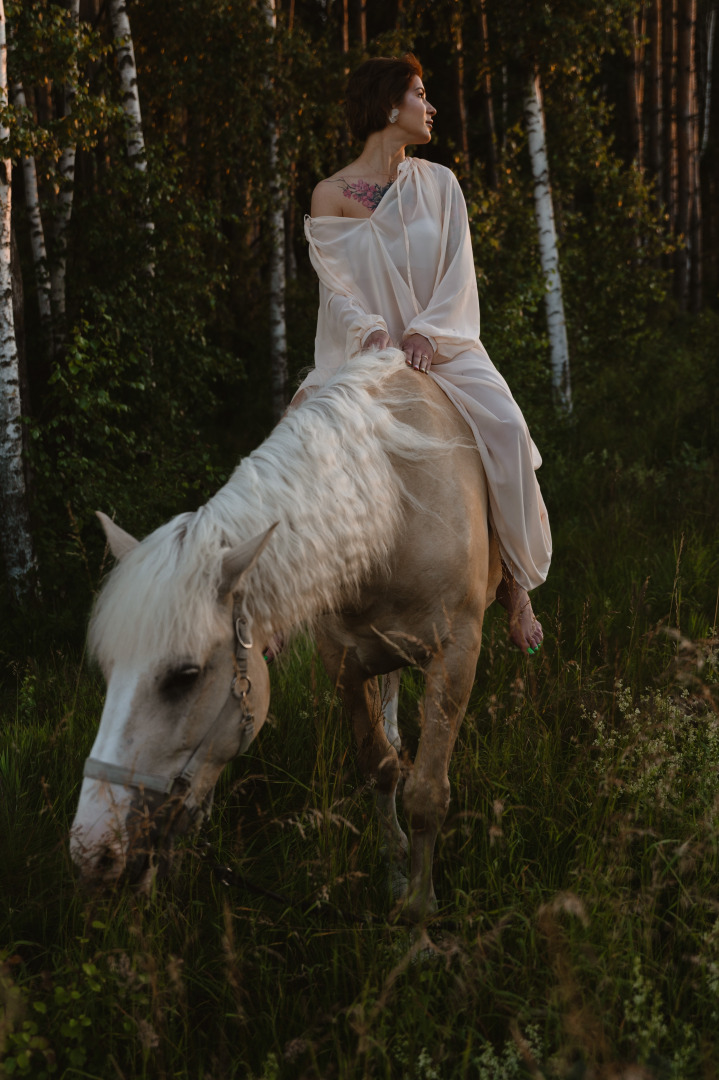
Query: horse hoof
[(423, 949)]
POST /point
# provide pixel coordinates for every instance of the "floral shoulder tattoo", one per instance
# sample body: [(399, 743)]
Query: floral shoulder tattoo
[(368, 195)]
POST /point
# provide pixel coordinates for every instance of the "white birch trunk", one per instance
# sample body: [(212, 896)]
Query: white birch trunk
[(127, 69), (548, 251), (37, 236), (278, 324), (128, 81), (15, 534), (63, 206)]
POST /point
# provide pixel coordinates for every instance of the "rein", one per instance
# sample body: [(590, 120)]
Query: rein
[(179, 785)]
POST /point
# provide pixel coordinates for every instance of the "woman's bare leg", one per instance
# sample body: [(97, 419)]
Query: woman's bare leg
[(524, 629)]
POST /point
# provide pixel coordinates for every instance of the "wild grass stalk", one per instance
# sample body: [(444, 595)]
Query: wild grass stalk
[(578, 929)]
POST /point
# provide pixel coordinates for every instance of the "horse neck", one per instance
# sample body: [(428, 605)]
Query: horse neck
[(330, 484)]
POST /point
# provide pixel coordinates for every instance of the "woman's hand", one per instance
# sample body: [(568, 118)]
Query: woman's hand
[(418, 352), (378, 339)]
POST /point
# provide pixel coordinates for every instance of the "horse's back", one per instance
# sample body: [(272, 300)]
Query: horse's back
[(450, 498), (444, 568)]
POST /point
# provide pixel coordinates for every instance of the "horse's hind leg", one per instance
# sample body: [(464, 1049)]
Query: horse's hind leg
[(377, 759), (450, 675)]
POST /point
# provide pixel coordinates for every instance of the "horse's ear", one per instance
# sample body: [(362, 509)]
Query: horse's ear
[(240, 560), (120, 541)]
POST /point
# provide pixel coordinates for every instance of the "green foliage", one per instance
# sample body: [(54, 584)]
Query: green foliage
[(56, 1032), (46, 49), (510, 282)]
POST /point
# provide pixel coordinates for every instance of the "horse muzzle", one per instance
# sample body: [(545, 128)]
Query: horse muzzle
[(130, 841)]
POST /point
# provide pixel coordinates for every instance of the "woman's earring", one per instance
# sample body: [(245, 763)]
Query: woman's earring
[(393, 116)]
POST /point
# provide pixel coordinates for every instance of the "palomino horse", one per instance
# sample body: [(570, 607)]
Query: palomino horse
[(363, 516)]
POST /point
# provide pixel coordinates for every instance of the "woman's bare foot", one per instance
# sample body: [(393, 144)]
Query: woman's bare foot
[(524, 629)]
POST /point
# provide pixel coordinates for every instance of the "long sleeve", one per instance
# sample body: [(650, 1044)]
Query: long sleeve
[(345, 316), (451, 318)]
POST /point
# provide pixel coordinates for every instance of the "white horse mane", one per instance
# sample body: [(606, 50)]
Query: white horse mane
[(325, 474)]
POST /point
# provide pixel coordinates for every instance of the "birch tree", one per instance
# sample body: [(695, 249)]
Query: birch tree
[(127, 68), (15, 533), (37, 237), (65, 195), (548, 250), (278, 284)]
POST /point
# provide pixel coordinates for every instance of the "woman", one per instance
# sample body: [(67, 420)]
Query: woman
[(389, 239)]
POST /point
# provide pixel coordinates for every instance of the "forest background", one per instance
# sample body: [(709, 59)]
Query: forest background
[(147, 322), (155, 337)]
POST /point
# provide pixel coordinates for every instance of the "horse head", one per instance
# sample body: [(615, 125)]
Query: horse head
[(182, 700)]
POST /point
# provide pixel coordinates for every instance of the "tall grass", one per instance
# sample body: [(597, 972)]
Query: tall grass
[(578, 930)]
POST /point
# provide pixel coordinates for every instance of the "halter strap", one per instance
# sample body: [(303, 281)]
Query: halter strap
[(118, 774), (240, 687)]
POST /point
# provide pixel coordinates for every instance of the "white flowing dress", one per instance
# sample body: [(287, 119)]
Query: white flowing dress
[(408, 269)]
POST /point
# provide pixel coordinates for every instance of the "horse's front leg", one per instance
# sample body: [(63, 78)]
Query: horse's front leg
[(450, 674), (377, 759)]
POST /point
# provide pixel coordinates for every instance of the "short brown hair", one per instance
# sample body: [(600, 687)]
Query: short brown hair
[(375, 88)]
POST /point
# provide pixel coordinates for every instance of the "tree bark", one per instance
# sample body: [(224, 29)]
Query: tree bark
[(15, 532), (654, 93), (127, 69), (360, 22), (505, 105), (290, 217), (548, 250), (669, 109), (634, 92), (711, 30), (63, 206), (459, 85), (487, 106), (685, 148), (128, 80), (345, 24), (37, 239), (695, 218), (278, 284)]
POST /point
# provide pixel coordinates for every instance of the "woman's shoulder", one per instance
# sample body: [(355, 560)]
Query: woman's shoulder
[(327, 196)]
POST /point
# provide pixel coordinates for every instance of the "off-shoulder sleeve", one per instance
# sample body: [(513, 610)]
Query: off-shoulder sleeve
[(343, 312), (451, 319)]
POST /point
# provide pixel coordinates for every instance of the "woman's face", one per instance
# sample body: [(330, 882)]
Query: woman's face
[(415, 114)]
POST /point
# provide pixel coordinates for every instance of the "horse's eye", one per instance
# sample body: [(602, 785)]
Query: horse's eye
[(180, 681)]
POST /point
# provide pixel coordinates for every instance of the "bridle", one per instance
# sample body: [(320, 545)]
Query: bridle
[(179, 786)]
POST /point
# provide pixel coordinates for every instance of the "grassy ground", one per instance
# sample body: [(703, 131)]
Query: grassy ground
[(578, 932)]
